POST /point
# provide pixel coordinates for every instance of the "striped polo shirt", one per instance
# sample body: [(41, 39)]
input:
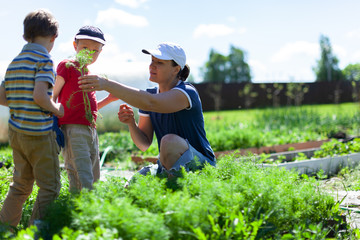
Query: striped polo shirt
[(32, 65)]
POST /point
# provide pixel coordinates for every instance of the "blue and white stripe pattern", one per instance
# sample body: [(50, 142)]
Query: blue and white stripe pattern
[(33, 64)]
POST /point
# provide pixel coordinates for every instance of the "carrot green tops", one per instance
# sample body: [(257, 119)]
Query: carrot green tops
[(33, 64)]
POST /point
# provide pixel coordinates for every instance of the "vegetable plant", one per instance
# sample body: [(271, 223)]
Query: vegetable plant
[(82, 59), (235, 200)]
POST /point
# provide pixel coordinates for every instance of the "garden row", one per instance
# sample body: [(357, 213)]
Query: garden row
[(235, 200), (330, 158), (238, 199)]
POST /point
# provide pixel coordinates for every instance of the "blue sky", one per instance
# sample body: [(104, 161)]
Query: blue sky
[(280, 37)]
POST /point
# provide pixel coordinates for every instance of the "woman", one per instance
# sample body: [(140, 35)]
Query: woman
[(172, 110)]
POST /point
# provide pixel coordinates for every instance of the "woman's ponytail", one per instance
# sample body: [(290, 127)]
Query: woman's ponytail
[(184, 73)]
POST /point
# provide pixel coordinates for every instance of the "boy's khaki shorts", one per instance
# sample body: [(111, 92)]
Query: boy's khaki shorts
[(81, 155), (35, 159)]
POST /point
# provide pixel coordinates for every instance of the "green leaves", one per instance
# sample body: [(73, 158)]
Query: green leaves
[(335, 147), (235, 200), (82, 59)]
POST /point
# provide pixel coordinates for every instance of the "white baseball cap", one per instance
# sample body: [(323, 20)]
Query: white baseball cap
[(168, 51)]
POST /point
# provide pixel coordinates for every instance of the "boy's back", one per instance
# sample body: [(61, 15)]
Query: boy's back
[(31, 65), (27, 91)]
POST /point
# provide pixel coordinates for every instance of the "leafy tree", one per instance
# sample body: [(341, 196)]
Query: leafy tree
[(239, 70), (215, 68), (352, 72), (227, 69), (327, 67)]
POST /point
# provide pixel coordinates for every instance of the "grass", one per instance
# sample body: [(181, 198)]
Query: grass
[(228, 130)]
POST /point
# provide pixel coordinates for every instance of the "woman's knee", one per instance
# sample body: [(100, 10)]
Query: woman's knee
[(173, 142), (171, 149)]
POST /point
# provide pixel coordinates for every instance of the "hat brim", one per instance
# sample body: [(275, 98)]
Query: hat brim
[(157, 54), (99, 40)]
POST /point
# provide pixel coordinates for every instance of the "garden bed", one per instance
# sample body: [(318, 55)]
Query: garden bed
[(330, 157), (270, 149), (330, 165), (274, 149)]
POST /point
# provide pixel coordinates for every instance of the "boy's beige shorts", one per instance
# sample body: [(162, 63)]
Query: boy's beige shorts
[(81, 155), (35, 160)]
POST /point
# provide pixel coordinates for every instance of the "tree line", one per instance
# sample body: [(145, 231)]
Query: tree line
[(234, 68)]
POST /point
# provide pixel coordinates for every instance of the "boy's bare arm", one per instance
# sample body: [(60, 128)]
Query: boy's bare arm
[(43, 99), (105, 101), (3, 100), (59, 83)]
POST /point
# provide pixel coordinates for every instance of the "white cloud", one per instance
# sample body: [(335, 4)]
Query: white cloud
[(355, 56), (212, 30), (241, 30), (117, 66), (66, 47), (258, 70), (354, 34), (4, 13), (295, 48), (113, 16), (339, 51), (131, 3), (257, 65), (231, 19), (115, 62)]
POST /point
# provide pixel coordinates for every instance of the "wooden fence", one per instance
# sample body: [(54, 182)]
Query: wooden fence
[(257, 95)]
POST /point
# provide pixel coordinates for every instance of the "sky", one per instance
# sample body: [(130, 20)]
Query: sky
[(280, 37)]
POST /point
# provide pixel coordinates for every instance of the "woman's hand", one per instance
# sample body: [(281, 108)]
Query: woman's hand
[(90, 83), (126, 114)]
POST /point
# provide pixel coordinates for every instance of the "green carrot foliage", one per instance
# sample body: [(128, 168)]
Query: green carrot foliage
[(235, 200), (82, 59)]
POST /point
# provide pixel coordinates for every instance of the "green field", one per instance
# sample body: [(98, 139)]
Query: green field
[(238, 129)]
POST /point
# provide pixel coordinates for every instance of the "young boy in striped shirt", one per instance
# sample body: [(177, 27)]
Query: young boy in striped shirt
[(27, 90)]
